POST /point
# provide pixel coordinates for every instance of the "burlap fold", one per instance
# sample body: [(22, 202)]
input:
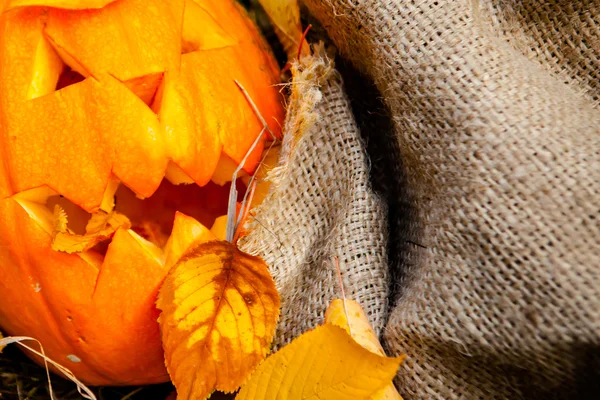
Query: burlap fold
[(494, 110), (321, 206)]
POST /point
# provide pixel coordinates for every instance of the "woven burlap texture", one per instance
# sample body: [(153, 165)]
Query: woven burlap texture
[(495, 110), (320, 206)]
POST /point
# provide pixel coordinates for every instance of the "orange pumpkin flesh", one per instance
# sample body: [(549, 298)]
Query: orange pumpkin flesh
[(128, 93)]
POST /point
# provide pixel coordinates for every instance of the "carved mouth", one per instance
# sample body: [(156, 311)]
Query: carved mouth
[(150, 220)]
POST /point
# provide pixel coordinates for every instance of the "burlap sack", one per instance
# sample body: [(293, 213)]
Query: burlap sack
[(494, 232)]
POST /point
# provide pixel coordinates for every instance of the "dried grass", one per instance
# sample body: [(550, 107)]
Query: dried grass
[(21, 379)]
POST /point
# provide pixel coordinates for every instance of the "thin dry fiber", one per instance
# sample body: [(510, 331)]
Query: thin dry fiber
[(495, 110)]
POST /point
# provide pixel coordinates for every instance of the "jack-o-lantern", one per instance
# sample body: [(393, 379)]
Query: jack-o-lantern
[(117, 114)]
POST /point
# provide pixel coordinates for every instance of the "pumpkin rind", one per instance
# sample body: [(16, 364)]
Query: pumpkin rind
[(143, 106), (126, 39)]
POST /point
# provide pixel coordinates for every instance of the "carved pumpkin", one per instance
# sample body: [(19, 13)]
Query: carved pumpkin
[(100, 96)]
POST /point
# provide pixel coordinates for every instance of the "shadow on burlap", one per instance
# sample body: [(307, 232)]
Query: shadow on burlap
[(492, 234)]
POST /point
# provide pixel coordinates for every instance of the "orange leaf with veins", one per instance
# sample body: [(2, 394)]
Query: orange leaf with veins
[(219, 309)]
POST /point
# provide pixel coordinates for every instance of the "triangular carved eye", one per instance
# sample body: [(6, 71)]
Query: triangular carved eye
[(55, 70), (68, 78), (52, 70)]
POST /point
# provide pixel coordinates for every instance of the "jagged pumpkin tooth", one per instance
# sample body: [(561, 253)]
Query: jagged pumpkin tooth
[(186, 233), (61, 271), (108, 200), (231, 16), (127, 39), (88, 320), (219, 228), (207, 75), (133, 134), (121, 134), (40, 147), (227, 113), (191, 138), (225, 169), (118, 319), (258, 70), (68, 4)]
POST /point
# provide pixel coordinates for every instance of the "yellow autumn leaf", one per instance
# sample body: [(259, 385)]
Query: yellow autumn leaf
[(101, 226), (285, 17), (357, 325), (323, 364), (219, 312)]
